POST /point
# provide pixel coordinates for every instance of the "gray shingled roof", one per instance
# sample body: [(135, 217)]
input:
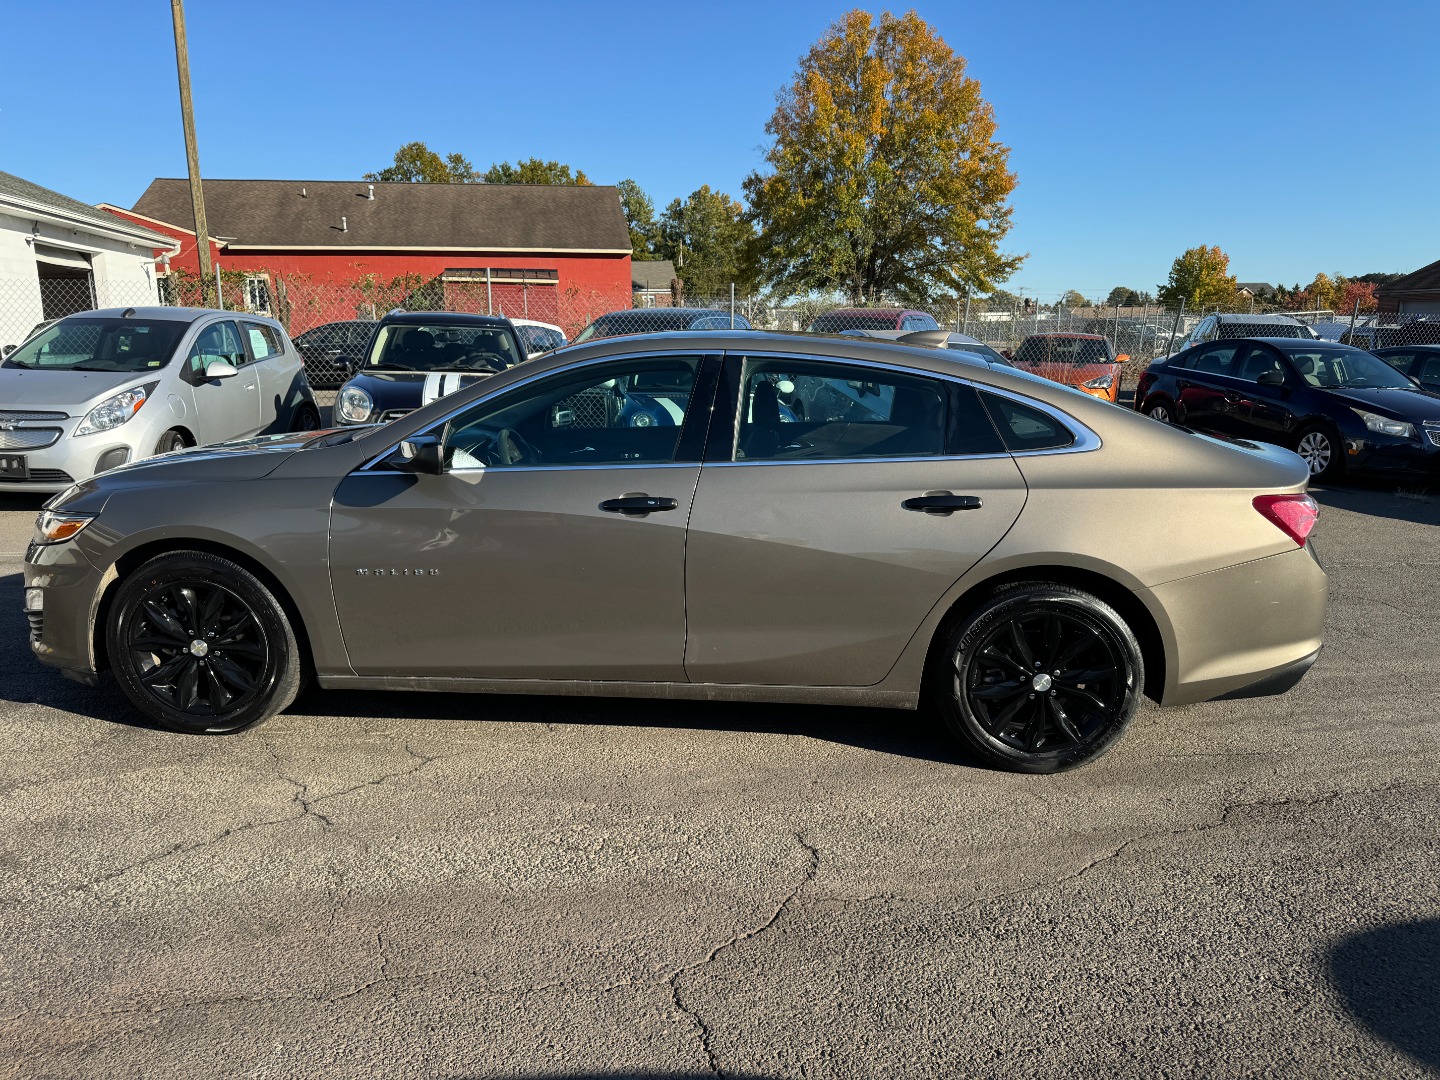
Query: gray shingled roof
[(1424, 280), (274, 214), (1256, 288), (19, 188), (652, 274)]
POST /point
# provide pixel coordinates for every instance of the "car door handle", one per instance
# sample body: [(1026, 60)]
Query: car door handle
[(638, 505), (941, 503)]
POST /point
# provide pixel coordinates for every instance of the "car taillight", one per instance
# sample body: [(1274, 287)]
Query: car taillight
[(1294, 515)]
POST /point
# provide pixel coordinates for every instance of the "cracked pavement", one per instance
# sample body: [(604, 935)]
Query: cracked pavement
[(437, 885)]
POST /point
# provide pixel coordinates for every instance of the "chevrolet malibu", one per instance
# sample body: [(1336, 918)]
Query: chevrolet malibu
[(928, 527), (100, 388)]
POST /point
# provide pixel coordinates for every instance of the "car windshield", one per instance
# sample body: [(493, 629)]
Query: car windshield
[(1344, 368), (1060, 350), (437, 347), (94, 344), (836, 321)]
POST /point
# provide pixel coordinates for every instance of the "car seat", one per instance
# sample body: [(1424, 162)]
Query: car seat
[(762, 433), (1306, 366), (916, 413)]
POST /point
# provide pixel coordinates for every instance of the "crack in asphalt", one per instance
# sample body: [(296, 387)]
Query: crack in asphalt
[(673, 980)]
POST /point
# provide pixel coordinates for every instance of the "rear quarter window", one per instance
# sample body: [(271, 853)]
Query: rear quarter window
[(1024, 428)]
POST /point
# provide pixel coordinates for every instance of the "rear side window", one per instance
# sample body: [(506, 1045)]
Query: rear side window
[(264, 340), (1024, 428)]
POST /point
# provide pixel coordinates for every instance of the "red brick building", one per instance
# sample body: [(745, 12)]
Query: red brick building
[(311, 251)]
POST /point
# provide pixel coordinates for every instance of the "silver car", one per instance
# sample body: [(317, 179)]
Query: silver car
[(102, 388), (706, 516)]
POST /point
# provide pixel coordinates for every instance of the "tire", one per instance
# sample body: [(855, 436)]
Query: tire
[(1003, 699), (1323, 451), (174, 439), (305, 418), (241, 664), (1160, 411)]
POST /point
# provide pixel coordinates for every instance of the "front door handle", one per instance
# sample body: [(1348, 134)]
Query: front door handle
[(942, 503), (638, 505)]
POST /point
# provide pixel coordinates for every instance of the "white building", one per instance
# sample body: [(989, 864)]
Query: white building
[(59, 256)]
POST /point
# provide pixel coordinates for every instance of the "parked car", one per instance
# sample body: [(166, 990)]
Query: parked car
[(101, 388), (936, 339), (1336, 406), (1420, 362), (936, 527), (1421, 330), (416, 357), (1084, 361), (657, 320), (8, 349), (323, 346), (833, 322), (1218, 327), (540, 337)]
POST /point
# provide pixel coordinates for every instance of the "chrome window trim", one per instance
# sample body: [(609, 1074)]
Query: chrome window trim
[(1086, 439), (576, 365), (928, 459)]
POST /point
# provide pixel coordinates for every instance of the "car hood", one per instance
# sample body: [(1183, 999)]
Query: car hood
[(1418, 405), (412, 389), (73, 392)]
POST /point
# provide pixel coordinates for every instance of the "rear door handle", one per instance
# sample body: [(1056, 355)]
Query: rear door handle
[(942, 503), (638, 505)]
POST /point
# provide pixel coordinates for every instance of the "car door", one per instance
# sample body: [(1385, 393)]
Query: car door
[(225, 408), (276, 370), (809, 561), (1206, 395), (1260, 411), (553, 547)]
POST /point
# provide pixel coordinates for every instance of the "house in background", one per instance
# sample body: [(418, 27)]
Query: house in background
[(1417, 293), (1256, 290), (59, 256), (311, 252), (650, 281)]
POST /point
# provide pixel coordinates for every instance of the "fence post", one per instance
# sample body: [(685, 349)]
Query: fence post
[(219, 288), (732, 305), (489, 299), (966, 328), (1353, 316), (1175, 327)]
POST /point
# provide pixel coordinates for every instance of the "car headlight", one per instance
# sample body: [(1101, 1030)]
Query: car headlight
[(1104, 382), (114, 411), (55, 526), (641, 419), (1383, 425), (354, 406)]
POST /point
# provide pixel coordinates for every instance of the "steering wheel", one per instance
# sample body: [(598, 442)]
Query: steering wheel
[(483, 361), (512, 449)]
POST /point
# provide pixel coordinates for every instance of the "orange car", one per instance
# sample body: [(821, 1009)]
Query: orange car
[(1084, 361)]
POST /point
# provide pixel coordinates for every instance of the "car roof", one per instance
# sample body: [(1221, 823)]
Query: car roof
[(1257, 318), (874, 311), (159, 313), (1408, 348), (445, 318), (1063, 334)]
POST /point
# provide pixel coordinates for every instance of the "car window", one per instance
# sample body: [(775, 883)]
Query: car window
[(100, 344), (218, 341), (1399, 361), (1429, 370), (923, 322), (799, 410), (264, 340), (1026, 428), (1254, 361), (1214, 360), (625, 413)]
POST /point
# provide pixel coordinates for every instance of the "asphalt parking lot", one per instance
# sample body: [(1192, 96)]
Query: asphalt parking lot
[(392, 885)]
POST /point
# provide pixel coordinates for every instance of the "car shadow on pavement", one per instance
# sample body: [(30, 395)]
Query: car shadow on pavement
[(1416, 505), (1390, 980)]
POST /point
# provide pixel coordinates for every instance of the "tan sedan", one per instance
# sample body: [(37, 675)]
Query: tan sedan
[(706, 516)]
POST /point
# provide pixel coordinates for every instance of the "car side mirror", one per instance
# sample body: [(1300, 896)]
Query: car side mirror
[(220, 369), (1271, 378), (7, 350), (347, 363), (1123, 358), (419, 454)]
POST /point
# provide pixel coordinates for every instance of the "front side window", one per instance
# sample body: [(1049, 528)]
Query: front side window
[(428, 347), (793, 410), (1341, 368), (79, 344), (627, 413), (218, 341)]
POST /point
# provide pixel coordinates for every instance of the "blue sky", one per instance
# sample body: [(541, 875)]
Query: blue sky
[(1298, 137)]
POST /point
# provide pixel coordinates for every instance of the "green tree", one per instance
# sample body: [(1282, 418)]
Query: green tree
[(1123, 297), (708, 237), (640, 218), (885, 179), (1073, 299), (534, 171), (416, 163), (1201, 278)]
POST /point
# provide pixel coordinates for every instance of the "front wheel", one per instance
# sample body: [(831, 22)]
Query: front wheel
[(1040, 678), (200, 645), (305, 419), (1160, 410), (1321, 450)]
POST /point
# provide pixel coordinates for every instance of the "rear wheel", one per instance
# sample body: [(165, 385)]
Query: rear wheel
[(1322, 451), (1040, 678), (200, 645)]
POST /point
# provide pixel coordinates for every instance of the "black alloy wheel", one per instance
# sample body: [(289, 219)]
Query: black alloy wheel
[(1041, 678), (171, 440), (199, 644), (306, 419)]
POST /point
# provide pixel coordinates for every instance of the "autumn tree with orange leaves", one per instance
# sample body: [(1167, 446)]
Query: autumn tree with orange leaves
[(885, 179)]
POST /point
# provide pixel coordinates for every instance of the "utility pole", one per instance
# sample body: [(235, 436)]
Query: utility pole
[(192, 152)]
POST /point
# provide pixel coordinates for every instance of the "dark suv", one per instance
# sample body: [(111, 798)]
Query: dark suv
[(1219, 327), (321, 348)]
